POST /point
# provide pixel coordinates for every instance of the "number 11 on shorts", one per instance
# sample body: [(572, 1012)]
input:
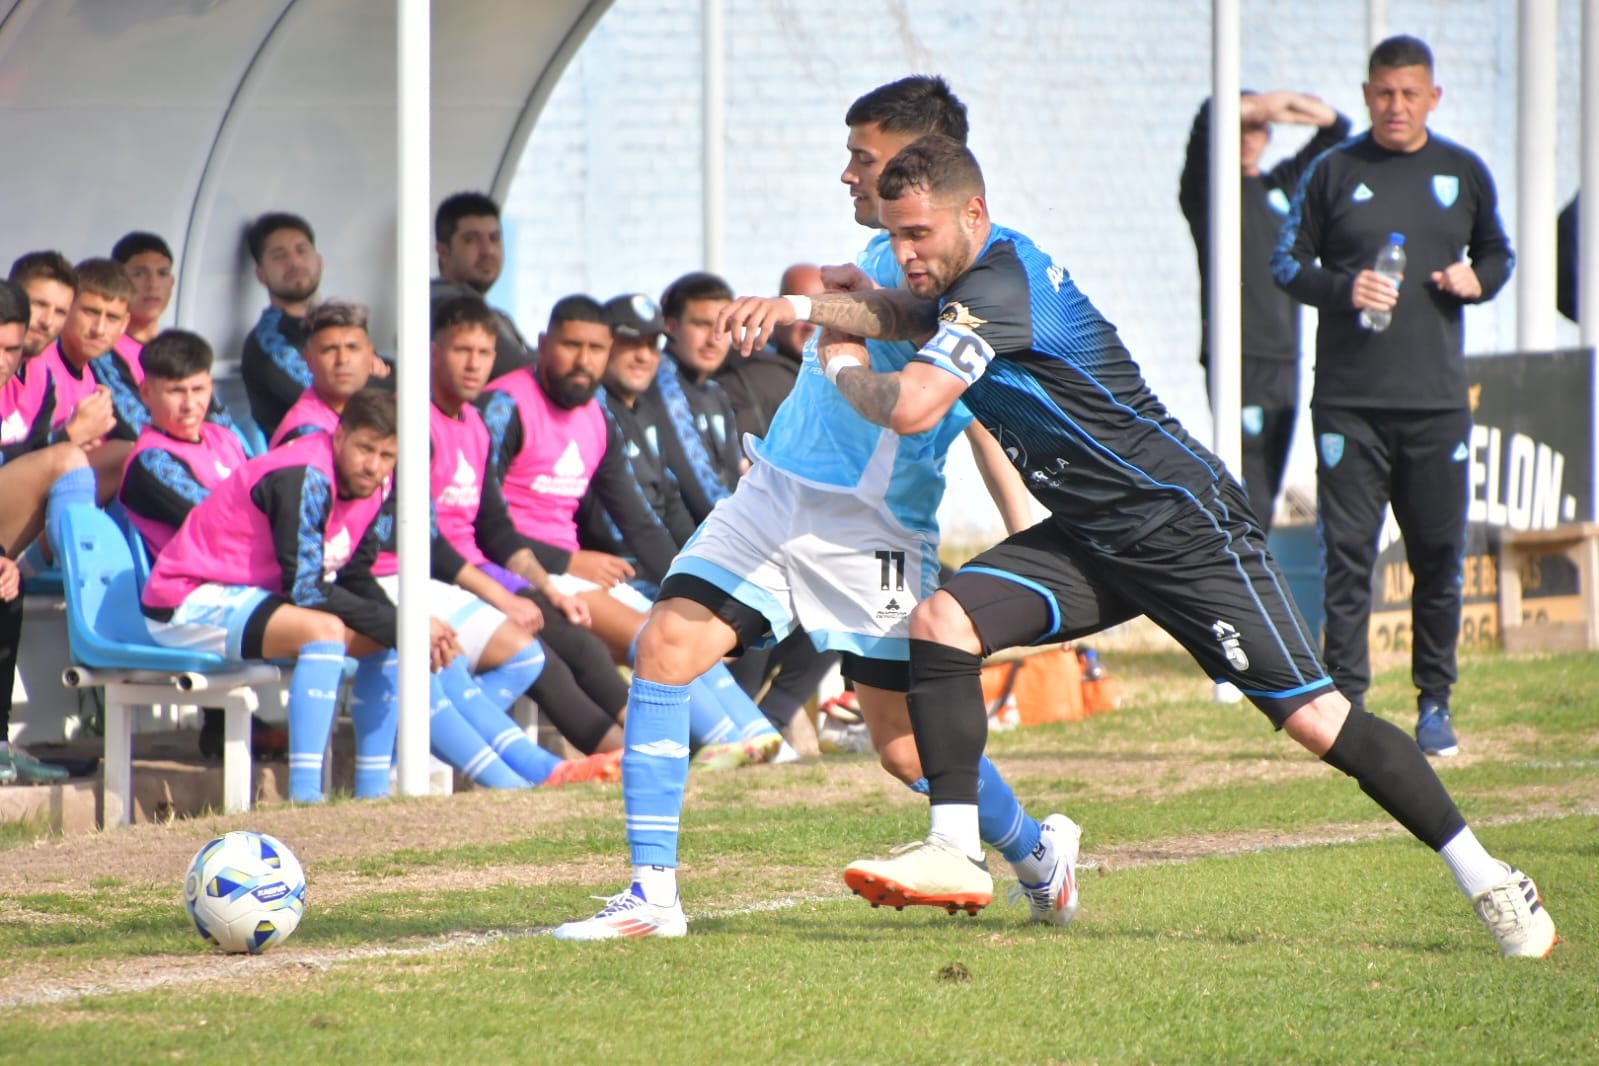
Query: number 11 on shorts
[(896, 560)]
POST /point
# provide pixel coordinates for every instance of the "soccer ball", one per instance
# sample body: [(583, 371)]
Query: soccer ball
[(245, 892)]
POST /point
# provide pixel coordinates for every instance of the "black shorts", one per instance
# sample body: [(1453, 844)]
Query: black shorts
[(1205, 577), (750, 629)]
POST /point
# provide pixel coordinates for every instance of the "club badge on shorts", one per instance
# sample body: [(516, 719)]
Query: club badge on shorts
[(1332, 448)]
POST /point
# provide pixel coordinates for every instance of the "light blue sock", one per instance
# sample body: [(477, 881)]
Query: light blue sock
[(1001, 821), (514, 676), (313, 697), (375, 713), (491, 723), (708, 720), (654, 769), (748, 721), (452, 738), (75, 486)]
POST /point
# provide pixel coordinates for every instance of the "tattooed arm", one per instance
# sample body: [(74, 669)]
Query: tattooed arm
[(906, 401), (882, 314)]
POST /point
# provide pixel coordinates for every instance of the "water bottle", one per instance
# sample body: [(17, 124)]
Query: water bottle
[(1390, 264)]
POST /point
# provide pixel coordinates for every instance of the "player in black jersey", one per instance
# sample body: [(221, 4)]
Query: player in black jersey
[(1143, 520), (1389, 408)]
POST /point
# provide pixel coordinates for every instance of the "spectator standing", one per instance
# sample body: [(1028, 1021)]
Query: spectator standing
[(1390, 408), (1270, 369)]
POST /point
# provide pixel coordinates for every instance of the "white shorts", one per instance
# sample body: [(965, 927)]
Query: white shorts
[(845, 570), (474, 621), (626, 595), (210, 619)]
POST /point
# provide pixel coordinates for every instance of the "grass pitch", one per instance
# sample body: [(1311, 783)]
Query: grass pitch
[(1248, 905)]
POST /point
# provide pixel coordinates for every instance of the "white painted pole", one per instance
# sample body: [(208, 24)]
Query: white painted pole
[(1536, 111), (1376, 23), (415, 94), (1588, 213), (1588, 221), (714, 123), (1226, 271)]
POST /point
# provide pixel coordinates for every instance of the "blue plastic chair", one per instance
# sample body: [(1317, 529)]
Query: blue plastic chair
[(105, 626), (111, 646)]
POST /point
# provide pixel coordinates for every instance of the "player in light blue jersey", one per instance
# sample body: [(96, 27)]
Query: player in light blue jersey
[(834, 528)]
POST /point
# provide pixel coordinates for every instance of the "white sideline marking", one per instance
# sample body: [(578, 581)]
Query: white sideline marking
[(210, 967)]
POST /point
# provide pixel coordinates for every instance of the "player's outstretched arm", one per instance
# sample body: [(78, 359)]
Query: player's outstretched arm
[(882, 314)]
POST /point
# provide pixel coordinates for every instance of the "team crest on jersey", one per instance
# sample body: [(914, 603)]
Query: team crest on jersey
[(1445, 189), (1254, 418), (956, 314), (1332, 448), (1231, 644), (1278, 200), (13, 428)]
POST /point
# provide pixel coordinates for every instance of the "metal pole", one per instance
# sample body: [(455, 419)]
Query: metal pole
[(1536, 74), (415, 92), (1226, 271), (714, 123), (1588, 220), (1376, 22)]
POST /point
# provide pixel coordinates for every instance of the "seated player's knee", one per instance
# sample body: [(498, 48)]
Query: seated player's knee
[(1316, 725), (941, 618), (320, 626), (65, 458)]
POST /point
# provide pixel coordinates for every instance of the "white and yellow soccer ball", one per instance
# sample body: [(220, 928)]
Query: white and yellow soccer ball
[(245, 892)]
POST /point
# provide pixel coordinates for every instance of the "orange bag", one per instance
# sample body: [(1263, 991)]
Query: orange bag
[(1046, 687)]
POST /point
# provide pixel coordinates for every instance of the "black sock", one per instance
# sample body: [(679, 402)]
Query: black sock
[(1394, 772), (10, 644), (948, 719)]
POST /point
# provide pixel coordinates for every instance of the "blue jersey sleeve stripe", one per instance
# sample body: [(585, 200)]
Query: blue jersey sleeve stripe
[(316, 499)]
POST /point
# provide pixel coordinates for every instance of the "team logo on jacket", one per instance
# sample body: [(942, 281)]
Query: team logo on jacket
[(1445, 189), (463, 489), (1231, 646), (1332, 448), (1362, 193), (1278, 201)]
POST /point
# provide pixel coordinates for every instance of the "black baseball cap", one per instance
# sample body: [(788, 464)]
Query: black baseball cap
[(634, 315)]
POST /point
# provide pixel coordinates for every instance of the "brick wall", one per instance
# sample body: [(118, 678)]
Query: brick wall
[(1079, 113)]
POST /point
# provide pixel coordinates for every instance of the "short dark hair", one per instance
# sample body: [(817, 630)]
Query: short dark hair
[(699, 285), (467, 309), (137, 243), (266, 225), (578, 308), (917, 105), (176, 354), (462, 205), (14, 304), (50, 265), (933, 164), (1400, 51), (336, 314), (104, 277), (371, 408)]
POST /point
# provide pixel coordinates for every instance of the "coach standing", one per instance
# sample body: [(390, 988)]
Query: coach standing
[(1390, 408)]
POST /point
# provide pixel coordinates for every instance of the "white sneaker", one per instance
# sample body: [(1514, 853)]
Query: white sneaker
[(785, 753), (851, 738), (928, 873), (627, 914), (1055, 901), (1514, 912)]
